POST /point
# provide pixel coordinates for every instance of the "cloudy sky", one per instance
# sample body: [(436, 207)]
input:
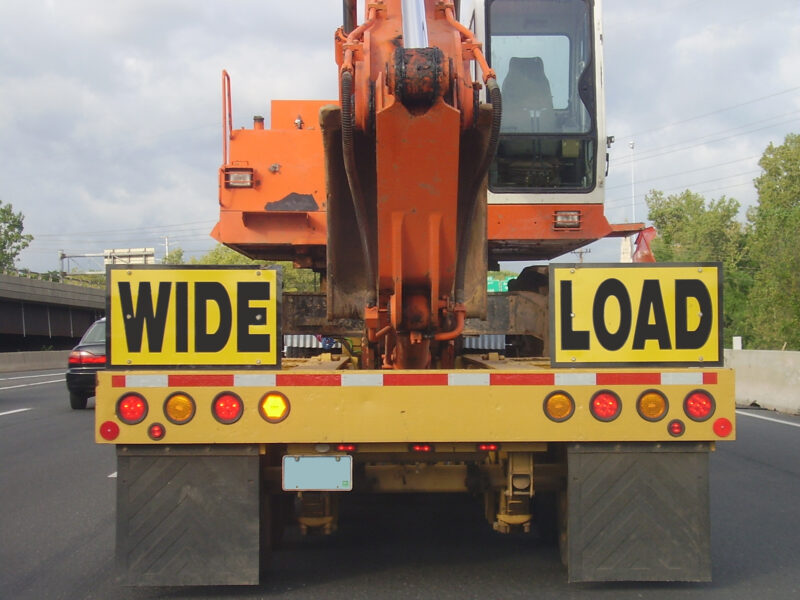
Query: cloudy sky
[(110, 111)]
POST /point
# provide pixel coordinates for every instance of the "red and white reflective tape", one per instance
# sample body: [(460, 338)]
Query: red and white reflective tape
[(460, 379)]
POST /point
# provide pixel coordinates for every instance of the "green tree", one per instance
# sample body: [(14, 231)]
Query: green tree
[(174, 257), (294, 279), (12, 240), (692, 230), (774, 301)]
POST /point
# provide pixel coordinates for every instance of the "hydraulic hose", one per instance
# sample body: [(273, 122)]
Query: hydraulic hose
[(351, 170), (465, 237)]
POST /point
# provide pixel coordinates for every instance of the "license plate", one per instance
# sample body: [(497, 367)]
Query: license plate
[(318, 473)]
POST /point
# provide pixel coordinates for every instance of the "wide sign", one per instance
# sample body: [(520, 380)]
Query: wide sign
[(636, 314), (190, 316)]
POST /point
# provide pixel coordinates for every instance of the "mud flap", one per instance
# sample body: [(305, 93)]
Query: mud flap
[(638, 512), (188, 515)]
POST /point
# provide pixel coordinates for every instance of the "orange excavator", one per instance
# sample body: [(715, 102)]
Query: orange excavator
[(408, 225)]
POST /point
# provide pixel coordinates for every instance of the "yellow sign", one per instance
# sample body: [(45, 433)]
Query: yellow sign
[(193, 316), (638, 314)]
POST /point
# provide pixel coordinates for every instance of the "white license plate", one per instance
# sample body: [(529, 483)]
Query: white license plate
[(318, 473)]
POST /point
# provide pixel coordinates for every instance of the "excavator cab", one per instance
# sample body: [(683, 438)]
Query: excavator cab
[(545, 63), (545, 58), (546, 183)]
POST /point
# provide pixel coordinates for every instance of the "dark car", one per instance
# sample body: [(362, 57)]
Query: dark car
[(88, 357)]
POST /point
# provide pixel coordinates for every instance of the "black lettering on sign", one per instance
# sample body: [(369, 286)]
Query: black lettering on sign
[(685, 289), (205, 292), (570, 339), (144, 316), (607, 289), (181, 316), (651, 301), (247, 315)]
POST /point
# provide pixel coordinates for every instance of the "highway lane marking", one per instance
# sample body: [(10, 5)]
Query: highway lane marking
[(113, 475), (12, 412), (749, 414), (30, 376), (23, 385)]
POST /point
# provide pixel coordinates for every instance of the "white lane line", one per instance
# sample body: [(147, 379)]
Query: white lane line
[(113, 475), (745, 413), (13, 412), (23, 385), (30, 376)]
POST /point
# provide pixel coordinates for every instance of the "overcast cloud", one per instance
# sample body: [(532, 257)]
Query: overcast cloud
[(110, 111)]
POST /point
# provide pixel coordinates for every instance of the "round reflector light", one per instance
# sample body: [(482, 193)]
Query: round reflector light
[(132, 408), (652, 405), (109, 431), (699, 406), (723, 427), (559, 406), (274, 407), (605, 406), (156, 431), (227, 408), (676, 428), (179, 408)]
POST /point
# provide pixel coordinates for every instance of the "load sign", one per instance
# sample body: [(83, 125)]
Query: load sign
[(637, 314), (179, 316)]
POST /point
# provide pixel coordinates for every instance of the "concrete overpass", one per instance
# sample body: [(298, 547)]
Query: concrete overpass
[(44, 315)]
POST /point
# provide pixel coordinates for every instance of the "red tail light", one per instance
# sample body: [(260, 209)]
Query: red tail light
[(227, 408), (132, 408), (676, 428), (698, 406), (605, 406), (421, 448), (488, 447), (723, 427), (109, 431), (156, 431), (82, 357), (346, 448)]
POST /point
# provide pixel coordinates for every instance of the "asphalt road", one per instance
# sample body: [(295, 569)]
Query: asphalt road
[(57, 525)]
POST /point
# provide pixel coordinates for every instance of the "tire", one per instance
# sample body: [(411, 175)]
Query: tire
[(77, 401)]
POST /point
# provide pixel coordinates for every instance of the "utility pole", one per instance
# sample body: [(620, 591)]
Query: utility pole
[(581, 252), (166, 247)]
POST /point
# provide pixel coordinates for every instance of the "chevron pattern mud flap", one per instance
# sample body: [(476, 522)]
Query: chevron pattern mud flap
[(638, 512), (188, 515)]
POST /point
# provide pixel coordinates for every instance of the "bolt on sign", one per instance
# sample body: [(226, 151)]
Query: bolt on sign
[(161, 316), (636, 314)]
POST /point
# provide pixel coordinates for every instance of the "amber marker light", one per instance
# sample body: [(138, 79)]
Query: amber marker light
[(274, 407), (227, 408), (652, 405), (559, 406), (132, 408), (179, 408)]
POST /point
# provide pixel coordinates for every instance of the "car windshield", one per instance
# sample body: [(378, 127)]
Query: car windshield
[(96, 334)]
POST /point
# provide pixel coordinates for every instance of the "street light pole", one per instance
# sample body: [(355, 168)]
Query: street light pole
[(633, 184)]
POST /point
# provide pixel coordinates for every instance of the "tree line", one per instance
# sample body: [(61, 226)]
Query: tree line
[(760, 254)]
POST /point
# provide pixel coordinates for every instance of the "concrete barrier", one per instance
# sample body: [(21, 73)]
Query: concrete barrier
[(33, 361), (770, 378)]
